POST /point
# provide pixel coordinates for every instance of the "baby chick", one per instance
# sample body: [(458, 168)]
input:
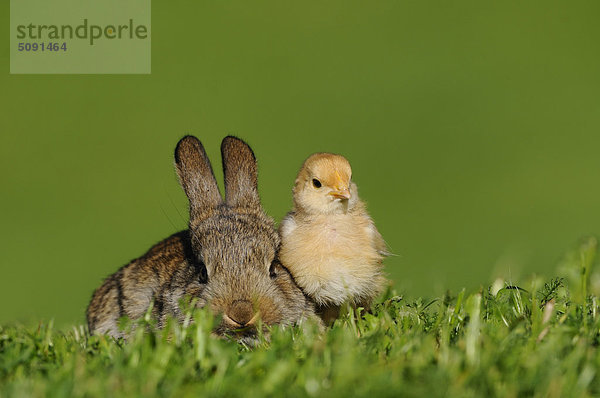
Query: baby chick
[(329, 242)]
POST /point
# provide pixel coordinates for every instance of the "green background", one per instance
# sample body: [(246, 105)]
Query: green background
[(472, 127)]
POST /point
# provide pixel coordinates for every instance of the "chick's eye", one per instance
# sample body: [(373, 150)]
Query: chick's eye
[(316, 183)]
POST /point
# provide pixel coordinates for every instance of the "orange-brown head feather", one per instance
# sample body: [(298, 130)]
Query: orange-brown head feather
[(324, 184)]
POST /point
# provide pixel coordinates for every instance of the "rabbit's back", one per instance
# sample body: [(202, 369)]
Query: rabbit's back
[(158, 276)]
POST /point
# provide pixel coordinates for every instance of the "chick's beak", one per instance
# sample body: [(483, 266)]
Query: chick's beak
[(341, 193)]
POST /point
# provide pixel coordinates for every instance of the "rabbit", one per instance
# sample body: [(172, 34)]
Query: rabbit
[(226, 260)]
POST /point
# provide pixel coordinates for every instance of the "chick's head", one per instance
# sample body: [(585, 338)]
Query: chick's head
[(324, 185)]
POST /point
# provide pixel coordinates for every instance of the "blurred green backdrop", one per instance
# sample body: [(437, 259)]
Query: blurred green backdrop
[(472, 127)]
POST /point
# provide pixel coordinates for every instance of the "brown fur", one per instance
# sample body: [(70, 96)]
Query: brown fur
[(227, 259)]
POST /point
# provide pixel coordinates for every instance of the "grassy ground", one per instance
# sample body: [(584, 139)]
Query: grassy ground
[(538, 339)]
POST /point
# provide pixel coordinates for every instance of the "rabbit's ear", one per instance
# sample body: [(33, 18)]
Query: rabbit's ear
[(196, 176), (241, 175)]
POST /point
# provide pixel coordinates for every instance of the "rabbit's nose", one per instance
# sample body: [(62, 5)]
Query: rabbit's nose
[(241, 312)]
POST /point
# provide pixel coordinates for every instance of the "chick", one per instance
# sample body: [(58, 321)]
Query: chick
[(328, 241)]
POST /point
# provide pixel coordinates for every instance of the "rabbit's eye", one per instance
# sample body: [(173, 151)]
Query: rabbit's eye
[(203, 275), (316, 183), (272, 271)]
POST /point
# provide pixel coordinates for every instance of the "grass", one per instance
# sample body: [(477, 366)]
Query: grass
[(536, 339)]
